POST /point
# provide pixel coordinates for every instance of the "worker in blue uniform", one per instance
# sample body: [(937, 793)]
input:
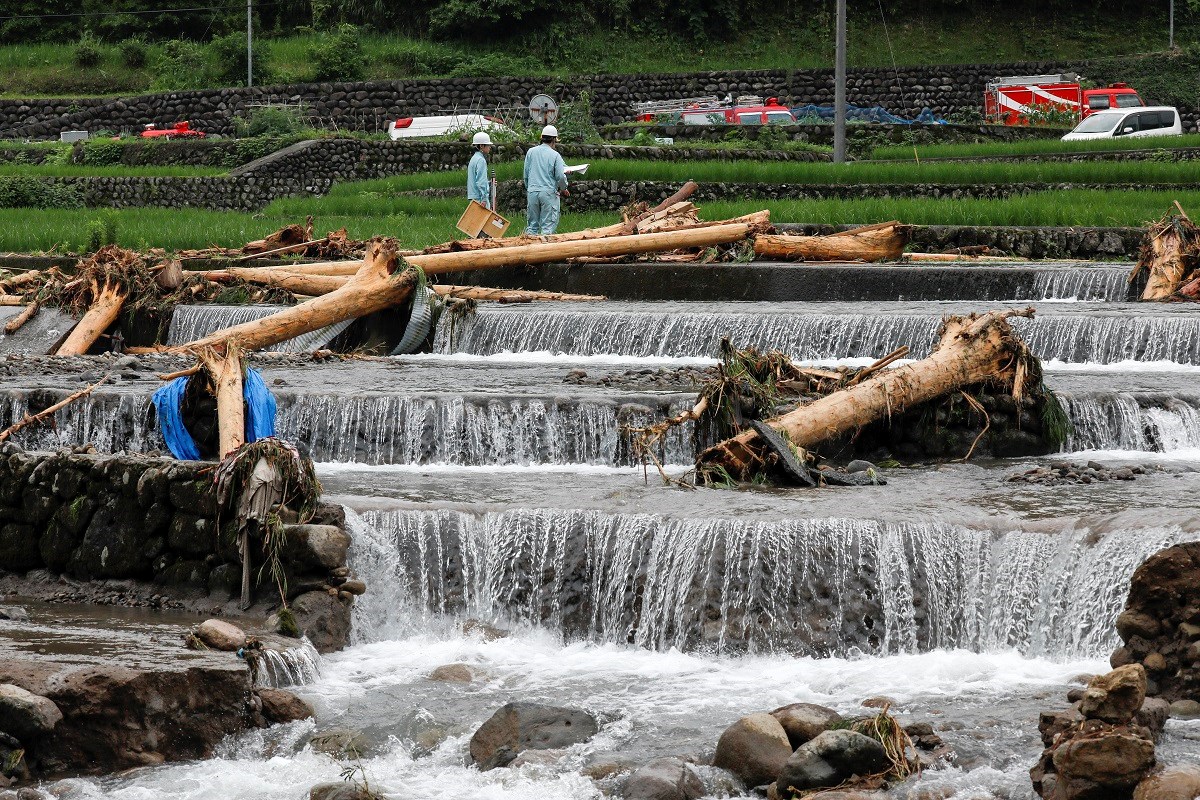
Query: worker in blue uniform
[(479, 188), (545, 181)]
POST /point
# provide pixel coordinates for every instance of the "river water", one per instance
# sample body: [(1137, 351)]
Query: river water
[(482, 485)]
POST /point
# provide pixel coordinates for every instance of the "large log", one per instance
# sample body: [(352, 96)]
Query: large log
[(511, 295), (103, 312), (970, 350), (377, 285), (226, 372), (18, 321), (876, 243), (312, 284)]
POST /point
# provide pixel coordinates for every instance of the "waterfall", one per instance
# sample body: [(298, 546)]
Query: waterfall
[(294, 666), (111, 422), (1098, 338), (1132, 421), (1080, 283), (189, 323), (472, 430), (823, 586)]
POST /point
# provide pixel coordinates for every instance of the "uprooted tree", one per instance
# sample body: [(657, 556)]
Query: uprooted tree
[(1170, 257), (980, 350)]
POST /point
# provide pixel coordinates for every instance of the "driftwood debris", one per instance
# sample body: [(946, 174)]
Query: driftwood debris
[(512, 295), (105, 309), (980, 348), (1170, 255), (882, 242), (19, 320), (225, 370), (378, 284)]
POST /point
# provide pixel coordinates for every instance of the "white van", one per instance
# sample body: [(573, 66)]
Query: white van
[(440, 125), (1127, 122)]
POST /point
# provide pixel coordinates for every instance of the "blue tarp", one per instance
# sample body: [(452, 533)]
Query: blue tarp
[(861, 114), (260, 414)]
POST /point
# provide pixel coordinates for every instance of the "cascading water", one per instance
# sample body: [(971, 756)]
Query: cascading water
[(1080, 283), (826, 586), (293, 666), (654, 331), (111, 422), (189, 323), (1132, 421), (456, 429)]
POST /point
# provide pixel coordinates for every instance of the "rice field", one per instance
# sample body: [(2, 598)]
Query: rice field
[(1032, 147), (420, 222)]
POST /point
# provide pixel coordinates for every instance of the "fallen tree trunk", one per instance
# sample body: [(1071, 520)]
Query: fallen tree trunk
[(295, 282), (970, 350), (535, 251), (510, 295), (16, 322), (377, 285), (287, 236), (17, 281), (12, 300), (226, 372), (884, 242), (103, 312)]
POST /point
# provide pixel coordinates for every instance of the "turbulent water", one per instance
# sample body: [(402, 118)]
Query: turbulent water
[(1128, 421), (648, 330), (1091, 283), (812, 585), (189, 323)]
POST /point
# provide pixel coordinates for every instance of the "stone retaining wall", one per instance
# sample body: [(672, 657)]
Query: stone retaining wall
[(155, 522), (369, 105)]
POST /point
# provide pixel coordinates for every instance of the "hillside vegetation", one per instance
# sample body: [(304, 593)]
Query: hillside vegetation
[(112, 52)]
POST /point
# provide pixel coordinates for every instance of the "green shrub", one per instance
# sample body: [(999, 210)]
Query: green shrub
[(490, 65), (339, 56), (87, 52), (269, 121), (135, 53), (229, 58), (100, 152), (575, 122), (30, 192), (179, 65), (421, 58), (102, 231)]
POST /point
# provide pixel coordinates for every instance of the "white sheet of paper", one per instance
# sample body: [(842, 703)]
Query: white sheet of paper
[(580, 168)]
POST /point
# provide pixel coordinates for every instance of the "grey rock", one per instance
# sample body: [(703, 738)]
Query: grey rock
[(26, 715), (529, 726), (14, 614), (323, 546), (754, 748), (324, 619), (831, 759), (1185, 709), (805, 721), (859, 465), (664, 779), (342, 790)]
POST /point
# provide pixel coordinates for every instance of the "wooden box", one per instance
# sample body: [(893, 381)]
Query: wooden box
[(478, 221)]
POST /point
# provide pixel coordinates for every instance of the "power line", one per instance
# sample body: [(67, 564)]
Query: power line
[(120, 13)]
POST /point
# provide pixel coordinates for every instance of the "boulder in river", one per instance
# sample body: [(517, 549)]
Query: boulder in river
[(829, 760), (664, 779), (452, 673), (321, 546), (342, 790), (1173, 783), (339, 743), (324, 619), (529, 726), (221, 635), (26, 715), (804, 722), (754, 748), (1116, 696), (280, 705), (1101, 767)]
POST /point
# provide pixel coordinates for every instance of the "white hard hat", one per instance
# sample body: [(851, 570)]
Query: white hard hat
[(481, 138), (550, 130)]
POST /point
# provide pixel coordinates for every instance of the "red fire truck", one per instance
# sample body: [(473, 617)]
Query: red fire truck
[(1011, 100), (745, 110), (180, 130)]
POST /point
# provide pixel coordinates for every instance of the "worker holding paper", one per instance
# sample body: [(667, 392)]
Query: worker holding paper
[(479, 188), (545, 181)]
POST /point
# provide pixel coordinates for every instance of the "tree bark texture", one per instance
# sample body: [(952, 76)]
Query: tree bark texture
[(103, 312), (874, 243), (970, 350)]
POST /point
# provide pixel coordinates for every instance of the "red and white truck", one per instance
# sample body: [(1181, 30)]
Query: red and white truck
[(1011, 100)]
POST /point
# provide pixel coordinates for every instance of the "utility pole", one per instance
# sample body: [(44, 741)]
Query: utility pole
[(249, 43), (839, 88), (1171, 27)]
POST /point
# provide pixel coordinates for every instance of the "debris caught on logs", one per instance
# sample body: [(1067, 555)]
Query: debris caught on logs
[(1170, 256), (972, 350), (882, 242)]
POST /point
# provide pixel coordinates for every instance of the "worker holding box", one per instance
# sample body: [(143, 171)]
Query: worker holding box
[(479, 188), (545, 179)]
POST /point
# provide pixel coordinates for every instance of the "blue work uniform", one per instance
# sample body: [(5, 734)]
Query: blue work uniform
[(545, 176), (478, 187)]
